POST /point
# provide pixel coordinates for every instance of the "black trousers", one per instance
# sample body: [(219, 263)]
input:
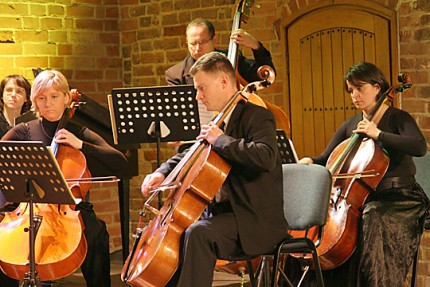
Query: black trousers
[(96, 266), (203, 242)]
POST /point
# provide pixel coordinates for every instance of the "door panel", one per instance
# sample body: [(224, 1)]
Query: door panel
[(321, 47)]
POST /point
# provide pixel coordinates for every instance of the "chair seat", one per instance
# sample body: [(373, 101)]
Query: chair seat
[(297, 245)]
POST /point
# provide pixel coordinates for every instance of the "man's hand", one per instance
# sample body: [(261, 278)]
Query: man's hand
[(150, 182), (241, 37), (210, 133)]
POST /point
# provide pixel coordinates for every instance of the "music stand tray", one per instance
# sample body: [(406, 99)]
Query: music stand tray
[(140, 115), (30, 173)]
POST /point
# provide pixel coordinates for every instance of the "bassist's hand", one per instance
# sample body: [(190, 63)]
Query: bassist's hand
[(241, 37)]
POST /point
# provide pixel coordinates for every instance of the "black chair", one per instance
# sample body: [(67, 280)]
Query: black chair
[(307, 190), (306, 196)]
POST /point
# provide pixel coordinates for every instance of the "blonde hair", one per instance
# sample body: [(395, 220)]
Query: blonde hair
[(45, 80)]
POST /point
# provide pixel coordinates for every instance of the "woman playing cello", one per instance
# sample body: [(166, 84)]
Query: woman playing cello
[(392, 216), (50, 95)]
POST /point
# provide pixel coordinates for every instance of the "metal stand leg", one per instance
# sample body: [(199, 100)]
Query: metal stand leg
[(124, 213), (30, 278)]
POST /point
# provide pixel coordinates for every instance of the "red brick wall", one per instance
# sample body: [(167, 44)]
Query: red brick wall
[(414, 38)]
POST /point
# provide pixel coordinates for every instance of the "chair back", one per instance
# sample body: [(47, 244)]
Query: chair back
[(423, 165), (307, 189)]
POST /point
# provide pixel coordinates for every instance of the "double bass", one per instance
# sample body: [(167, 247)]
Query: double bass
[(193, 184), (357, 166), (242, 15), (60, 245)]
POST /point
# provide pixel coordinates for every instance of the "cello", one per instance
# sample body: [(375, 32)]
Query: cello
[(357, 166), (60, 244), (193, 184)]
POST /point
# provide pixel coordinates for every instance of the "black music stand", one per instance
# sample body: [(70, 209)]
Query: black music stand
[(286, 148), (31, 167), (154, 114)]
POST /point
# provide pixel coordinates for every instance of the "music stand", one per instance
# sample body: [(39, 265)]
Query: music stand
[(286, 148), (31, 167), (154, 114)]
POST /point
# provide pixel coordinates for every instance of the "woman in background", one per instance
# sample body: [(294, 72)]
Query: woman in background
[(14, 101)]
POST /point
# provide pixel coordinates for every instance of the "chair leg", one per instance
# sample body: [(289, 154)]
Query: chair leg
[(317, 266), (267, 271), (276, 269), (414, 269), (251, 273), (305, 271), (264, 274)]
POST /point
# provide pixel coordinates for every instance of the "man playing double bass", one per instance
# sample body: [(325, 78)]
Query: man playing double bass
[(248, 213), (202, 39)]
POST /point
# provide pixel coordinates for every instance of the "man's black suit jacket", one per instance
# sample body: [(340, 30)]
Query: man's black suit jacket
[(254, 183), (179, 73)]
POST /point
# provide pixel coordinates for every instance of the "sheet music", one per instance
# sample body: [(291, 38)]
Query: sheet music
[(204, 115)]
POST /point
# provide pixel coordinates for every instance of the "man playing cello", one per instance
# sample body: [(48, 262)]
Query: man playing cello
[(248, 215)]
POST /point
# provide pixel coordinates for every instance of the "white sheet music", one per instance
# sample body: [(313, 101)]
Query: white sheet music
[(204, 115)]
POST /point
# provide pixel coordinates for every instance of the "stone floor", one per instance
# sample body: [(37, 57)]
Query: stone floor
[(77, 280)]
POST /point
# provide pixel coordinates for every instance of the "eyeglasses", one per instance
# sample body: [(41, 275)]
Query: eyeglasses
[(201, 43), (18, 91)]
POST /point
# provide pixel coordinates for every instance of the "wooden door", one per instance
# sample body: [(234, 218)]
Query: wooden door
[(321, 47)]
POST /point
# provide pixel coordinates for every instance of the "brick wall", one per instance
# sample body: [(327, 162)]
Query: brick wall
[(78, 38), (414, 38)]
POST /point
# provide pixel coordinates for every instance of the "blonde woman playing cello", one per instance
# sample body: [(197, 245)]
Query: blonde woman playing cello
[(50, 95), (392, 216)]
